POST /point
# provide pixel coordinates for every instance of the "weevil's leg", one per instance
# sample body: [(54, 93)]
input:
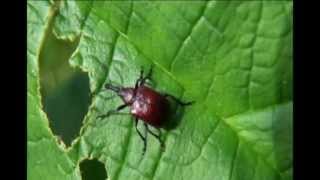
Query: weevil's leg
[(144, 139), (178, 100), (157, 136), (115, 111), (139, 79), (148, 76)]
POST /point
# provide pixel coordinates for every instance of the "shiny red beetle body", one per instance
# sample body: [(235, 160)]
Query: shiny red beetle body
[(146, 104)]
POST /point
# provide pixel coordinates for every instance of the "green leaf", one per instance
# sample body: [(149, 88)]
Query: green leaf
[(46, 159), (233, 58)]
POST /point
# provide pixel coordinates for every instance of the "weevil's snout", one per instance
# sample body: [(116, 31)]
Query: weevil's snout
[(127, 95)]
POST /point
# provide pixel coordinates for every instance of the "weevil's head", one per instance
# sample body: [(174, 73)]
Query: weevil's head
[(126, 94)]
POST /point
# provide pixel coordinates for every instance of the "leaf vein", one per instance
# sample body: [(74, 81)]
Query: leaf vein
[(125, 153), (32, 8), (234, 159), (129, 18), (252, 58), (202, 11)]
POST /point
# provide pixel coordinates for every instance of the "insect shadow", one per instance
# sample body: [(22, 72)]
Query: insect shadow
[(175, 116)]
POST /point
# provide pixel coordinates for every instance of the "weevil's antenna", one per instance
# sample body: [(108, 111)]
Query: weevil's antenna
[(109, 98), (112, 87)]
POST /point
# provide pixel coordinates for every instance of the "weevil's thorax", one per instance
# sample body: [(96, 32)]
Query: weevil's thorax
[(127, 95), (150, 106)]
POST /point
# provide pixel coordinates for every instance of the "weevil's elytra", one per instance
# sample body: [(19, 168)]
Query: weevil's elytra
[(150, 106), (145, 104)]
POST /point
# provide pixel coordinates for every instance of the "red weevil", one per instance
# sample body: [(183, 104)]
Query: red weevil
[(145, 104)]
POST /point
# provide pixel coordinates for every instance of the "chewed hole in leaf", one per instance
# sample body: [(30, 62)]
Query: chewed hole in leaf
[(93, 170), (64, 90)]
